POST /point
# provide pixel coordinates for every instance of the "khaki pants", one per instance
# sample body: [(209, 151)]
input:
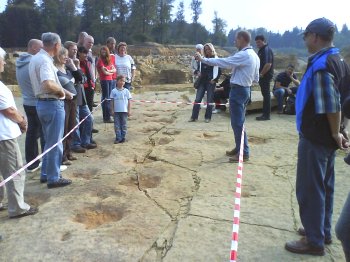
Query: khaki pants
[(10, 162)]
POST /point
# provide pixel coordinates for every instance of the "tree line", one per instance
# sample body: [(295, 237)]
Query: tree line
[(132, 21)]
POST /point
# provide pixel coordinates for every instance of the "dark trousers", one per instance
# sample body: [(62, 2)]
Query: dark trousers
[(342, 229), (266, 93), (218, 97), (89, 94), (107, 87), (70, 109), (315, 190), (33, 133), (209, 87)]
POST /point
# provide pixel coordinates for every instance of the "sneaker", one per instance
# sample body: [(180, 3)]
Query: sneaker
[(29, 212), (94, 130), (207, 120), (215, 111), (67, 162), (63, 167), (60, 183), (108, 121), (34, 169)]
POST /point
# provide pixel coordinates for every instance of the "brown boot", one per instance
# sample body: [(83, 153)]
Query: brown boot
[(303, 247)]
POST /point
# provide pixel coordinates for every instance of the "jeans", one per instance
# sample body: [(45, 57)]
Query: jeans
[(33, 133), (342, 229), (82, 134), (266, 93), (209, 87), (120, 125), (106, 86), (315, 190), (89, 94), (280, 94), (239, 97), (128, 86), (51, 115)]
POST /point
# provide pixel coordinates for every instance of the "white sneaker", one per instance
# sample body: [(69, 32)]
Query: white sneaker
[(62, 168), (215, 111), (34, 169)]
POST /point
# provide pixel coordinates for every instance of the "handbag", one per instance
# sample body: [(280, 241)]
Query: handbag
[(197, 83)]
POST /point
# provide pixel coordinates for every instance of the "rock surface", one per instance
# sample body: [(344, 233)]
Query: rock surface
[(167, 194)]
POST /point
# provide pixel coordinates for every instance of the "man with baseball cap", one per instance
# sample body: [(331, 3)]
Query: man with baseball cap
[(318, 118)]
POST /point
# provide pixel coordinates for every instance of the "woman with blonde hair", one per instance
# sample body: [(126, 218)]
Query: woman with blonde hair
[(209, 76), (105, 68)]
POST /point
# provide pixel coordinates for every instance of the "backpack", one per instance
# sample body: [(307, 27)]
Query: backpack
[(289, 108)]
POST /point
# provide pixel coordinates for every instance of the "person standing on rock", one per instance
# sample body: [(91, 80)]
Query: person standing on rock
[(265, 76), (50, 107), (245, 70), (12, 124), (209, 76), (318, 120), (29, 105)]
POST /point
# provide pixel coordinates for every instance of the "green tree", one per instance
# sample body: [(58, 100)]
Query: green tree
[(196, 11), (161, 28), (219, 30), (122, 10)]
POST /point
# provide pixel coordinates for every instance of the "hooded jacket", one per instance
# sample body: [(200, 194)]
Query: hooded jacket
[(23, 79)]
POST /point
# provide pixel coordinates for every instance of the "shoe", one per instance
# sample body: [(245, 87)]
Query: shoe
[(94, 130), (232, 152), (192, 120), (72, 158), (2, 207), (207, 120), (116, 141), (327, 240), (63, 167), (29, 212), (89, 146), (67, 163), (43, 180), (60, 183), (262, 118), (78, 149), (34, 169), (108, 121), (235, 158), (303, 247), (94, 105), (215, 111), (122, 140)]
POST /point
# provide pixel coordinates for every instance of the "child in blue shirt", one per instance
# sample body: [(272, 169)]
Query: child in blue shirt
[(120, 107)]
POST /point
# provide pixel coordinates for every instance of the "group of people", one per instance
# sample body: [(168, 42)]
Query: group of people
[(322, 106), (57, 83)]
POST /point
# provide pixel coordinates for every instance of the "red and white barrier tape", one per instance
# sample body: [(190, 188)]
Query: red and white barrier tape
[(176, 102), (236, 214), (47, 150)]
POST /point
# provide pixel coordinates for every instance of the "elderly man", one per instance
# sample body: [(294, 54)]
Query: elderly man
[(318, 119), (12, 123), (29, 104), (50, 108), (195, 64), (245, 69)]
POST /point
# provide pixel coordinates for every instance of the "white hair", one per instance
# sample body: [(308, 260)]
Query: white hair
[(2, 53), (50, 39)]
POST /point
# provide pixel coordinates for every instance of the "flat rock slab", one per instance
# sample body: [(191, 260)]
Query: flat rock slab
[(167, 194)]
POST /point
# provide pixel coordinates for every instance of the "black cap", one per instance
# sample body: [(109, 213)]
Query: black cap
[(320, 26)]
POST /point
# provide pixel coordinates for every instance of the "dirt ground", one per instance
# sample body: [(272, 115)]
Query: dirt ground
[(167, 194)]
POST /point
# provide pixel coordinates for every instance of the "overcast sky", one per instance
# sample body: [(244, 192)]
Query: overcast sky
[(274, 15)]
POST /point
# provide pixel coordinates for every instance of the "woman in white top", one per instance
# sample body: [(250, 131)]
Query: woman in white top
[(124, 64)]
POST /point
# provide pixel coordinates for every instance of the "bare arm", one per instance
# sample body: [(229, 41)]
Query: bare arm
[(14, 115), (265, 69), (112, 106), (129, 108), (53, 88), (334, 124)]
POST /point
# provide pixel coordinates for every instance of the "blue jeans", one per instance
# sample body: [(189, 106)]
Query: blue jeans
[(82, 134), (239, 97), (279, 93), (120, 125), (107, 87), (209, 87), (342, 229), (51, 115), (315, 190), (33, 133), (266, 93)]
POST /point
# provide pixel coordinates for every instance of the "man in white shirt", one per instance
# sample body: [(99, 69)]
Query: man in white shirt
[(245, 70), (12, 124), (50, 107)]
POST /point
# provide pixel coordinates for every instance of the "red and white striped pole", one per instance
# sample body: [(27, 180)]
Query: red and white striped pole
[(236, 213)]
